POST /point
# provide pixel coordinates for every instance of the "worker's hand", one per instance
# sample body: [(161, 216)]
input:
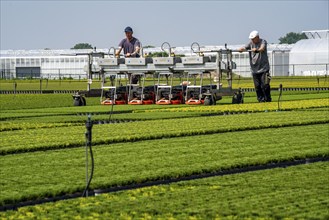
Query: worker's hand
[(241, 50), (128, 54), (254, 50), (117, 55)]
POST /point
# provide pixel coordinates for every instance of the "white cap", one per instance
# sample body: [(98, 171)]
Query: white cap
[(253, 34)]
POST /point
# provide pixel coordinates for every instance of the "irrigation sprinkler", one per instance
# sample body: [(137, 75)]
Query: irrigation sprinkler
[(88, 134)]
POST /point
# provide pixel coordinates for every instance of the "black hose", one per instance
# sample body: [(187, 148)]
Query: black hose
[(112, 104), (91, 173), (89, 125)]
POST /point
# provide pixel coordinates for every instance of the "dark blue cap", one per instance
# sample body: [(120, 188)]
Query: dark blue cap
[(128, 29)]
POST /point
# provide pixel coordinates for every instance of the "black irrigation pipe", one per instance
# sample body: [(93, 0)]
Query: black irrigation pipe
[(38, 92), (75, 91), (67, 114), (77, 123), (290, 89), (252, 168)]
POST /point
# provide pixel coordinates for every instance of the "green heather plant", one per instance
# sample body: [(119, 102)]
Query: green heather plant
[(297, 192), (72, 136)]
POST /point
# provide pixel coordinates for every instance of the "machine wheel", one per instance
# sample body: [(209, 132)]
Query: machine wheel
[(83, 101), (208, 100), (76, 102), (79, 100)]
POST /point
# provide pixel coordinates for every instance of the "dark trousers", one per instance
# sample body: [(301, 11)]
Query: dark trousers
[(262, 86), (135, 79)]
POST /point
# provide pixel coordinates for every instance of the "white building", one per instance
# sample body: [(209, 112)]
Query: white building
[(42, 63)]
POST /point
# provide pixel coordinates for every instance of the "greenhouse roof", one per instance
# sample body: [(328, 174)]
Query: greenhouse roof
[(317, 34), (310, 45)]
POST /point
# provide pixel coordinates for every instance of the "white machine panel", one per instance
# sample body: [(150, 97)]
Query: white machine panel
[(135, 61), (192, 60), (163, 60), (108, 62)]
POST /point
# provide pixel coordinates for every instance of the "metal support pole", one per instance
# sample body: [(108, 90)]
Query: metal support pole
[(273, 61), (59, 76), (40, 85), (15, 87), (279, 99), (90, 61), (218, 69), (229, 68)]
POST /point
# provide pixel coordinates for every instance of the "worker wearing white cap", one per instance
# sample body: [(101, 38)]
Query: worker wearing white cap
[(260, 66)]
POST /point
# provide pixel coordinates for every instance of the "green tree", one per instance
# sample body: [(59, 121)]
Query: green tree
[(292, 38), (149, 46), (158, 54), (82, 46)]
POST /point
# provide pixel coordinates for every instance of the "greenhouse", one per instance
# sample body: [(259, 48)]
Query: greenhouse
[(310, 57)]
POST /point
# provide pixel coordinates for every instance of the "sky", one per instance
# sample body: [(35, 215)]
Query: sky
[(28, 25)]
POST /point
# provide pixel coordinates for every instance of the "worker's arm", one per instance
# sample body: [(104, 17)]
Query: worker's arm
[(137, 49), (133, 54), (117, 53), (260, 49), (242, 49)]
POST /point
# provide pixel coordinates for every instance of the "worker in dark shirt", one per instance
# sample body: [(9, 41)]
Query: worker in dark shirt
[(130, 45), (260, 66)]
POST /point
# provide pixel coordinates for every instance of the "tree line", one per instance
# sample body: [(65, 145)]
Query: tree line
[(289, 38)]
